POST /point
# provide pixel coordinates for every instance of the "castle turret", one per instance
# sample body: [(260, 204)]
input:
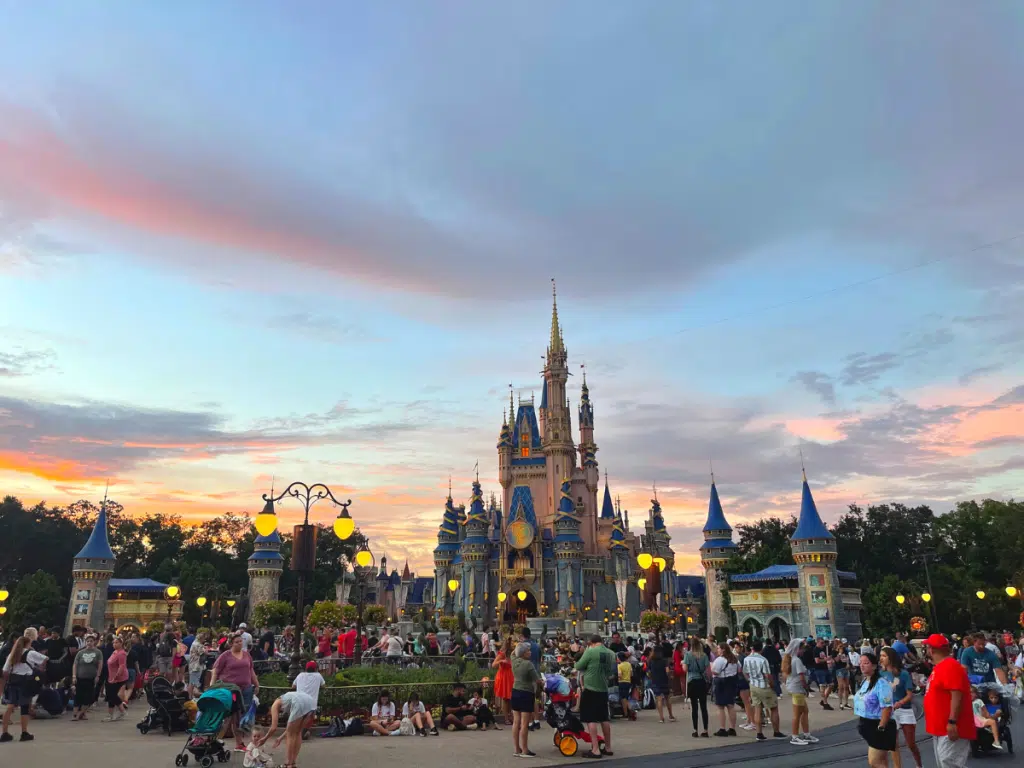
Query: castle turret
[(568, 548), (505, 449), (588, 448), (814, 550), (91, 571), (476, 549), (715, 552), (445, 552), (559, 451), (266, 564)]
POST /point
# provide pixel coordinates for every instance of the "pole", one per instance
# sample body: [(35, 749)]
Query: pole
[(928, 578), (359, 620)]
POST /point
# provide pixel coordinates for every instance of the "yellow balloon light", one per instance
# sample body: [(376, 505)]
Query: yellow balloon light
[(231, 603), (266, 523), (644, 560), (4, 594), (661, 563), (3, 610), (502, 597), (981, 594), (453, 584), (1011, 591), (344, 527), (363, 558), (521, 594), (927, 597), (200, 601), (173, 592), (901, 599), (642, 583)]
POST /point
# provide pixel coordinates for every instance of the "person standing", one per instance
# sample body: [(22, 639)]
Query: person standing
[(762, 690), (117, 676), (525, 686), (873, 705), (948, 715), (22, 674), (724, 670), (902, 708), (85, 677), (235, 667), (503, 678), (697, 666), (659, 671), (597, 665), (535, 660)]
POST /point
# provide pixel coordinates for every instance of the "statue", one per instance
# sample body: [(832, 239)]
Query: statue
[(241, 611)]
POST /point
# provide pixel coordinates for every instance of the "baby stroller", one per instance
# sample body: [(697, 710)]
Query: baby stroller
[(165, 709), (559, 715), (983, 742), (215, 706)]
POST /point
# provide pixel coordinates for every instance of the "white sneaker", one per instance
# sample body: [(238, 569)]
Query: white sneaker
[(748, 726), (809, 739), (797, 742)]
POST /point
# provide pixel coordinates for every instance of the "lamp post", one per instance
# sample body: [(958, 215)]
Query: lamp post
[(201, 602), (363, 570), (231, 605), (924, 557), (4, 594), (303, 543), (171, 594)]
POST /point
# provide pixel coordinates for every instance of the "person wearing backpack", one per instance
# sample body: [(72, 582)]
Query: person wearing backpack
[(165, 654), (22, 682)]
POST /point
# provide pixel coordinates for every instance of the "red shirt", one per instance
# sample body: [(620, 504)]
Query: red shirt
[(347, 643), (948, 676)]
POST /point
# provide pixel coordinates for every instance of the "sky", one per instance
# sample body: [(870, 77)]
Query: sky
[(245, 244)]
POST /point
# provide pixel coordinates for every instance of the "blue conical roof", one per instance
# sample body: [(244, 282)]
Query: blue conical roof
[(810, 525), (607, 510), (618, 539), (716, 517), (273, 538), (98, 545)]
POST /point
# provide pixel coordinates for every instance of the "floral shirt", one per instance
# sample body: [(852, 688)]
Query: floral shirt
[(869, 702)]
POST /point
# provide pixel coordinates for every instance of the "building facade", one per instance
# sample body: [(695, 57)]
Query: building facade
[(546, 548), (266, 564)]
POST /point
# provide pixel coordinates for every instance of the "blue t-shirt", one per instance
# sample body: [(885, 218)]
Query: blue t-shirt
[(535, 654), (900, 686), (980, 667), (869, 702), (901, 648)]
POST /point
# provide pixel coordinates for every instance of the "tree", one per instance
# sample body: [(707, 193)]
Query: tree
[(326, 613), (37, 600), (655, 621), (762, 544), (375, 614), (273, 613)]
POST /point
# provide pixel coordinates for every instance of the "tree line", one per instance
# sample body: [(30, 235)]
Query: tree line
[(208, 559), (976, 547)]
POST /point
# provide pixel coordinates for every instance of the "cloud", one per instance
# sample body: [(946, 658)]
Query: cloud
[(320, 328), (25, 362), (473, 139), (819, 384)]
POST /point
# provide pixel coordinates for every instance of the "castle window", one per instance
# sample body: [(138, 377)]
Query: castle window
[(525, 452)]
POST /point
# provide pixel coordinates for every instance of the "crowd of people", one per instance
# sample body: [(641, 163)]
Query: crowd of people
[(742, 679)]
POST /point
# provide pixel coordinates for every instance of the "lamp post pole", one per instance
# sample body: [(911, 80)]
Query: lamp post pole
[(924, 557), (304, 549)]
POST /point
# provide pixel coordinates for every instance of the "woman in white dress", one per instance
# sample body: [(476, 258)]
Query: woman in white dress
[(295, 708)]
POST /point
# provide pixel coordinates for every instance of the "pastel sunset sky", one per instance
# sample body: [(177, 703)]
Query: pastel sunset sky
[(314, 241)]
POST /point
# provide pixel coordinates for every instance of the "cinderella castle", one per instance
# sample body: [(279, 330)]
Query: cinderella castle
[(548, 549)]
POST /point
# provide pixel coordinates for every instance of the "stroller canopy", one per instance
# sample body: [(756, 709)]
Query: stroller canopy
[(220, 700)]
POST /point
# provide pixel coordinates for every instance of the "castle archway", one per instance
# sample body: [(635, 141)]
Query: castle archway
[(753, 627), (778, 629), (520, 610)]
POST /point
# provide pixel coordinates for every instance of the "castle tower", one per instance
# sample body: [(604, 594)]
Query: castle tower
[(91, 572), (568, 546), (618, 548), (556, 440), (405, 586), (445, 552), (657, 542), (505, 448), (606, 520), (715, 552), (266, 564), (476, 555), (814, 550)]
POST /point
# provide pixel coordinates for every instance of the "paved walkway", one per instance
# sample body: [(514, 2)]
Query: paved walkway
[(93, 744)]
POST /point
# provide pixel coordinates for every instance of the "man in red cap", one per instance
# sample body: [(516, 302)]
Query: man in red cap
[(948, 715)]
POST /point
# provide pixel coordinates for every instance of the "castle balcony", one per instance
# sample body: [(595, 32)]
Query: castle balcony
[(521, 574), (762, 599)]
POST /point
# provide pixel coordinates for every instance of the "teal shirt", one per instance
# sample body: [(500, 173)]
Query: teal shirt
[(597, 665)]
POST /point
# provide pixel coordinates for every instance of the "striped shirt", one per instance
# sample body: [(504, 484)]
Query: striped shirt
[(756, 668)]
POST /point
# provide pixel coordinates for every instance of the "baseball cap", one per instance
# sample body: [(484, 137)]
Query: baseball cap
[(937, 641), (311, 666), (243, 625)]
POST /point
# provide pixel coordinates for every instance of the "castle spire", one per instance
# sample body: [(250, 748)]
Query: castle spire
[(716, 527), (607, 510), (555, 346), (98, 545), (809, 525)]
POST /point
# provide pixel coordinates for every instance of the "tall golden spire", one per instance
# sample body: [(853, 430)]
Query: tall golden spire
[(555, 346)]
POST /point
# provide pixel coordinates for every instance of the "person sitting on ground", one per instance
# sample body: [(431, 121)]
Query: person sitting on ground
[(458, 715), (419, 715), (383, 721), (482, 713)]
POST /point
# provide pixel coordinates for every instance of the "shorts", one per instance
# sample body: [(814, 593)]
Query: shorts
[(764, 697), (624, 690), (594, 707), (822, 677), (844, 673), (522, 701), (742, 684), (799, 699), (131, 678), (876, 739), (195, 679), (724, 691), (163, 665), (178, 661), (18, 696), (904, 716), (659, 690)]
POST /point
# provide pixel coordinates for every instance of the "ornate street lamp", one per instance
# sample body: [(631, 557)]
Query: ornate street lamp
[(303, 544), (171, 594), (366, 564), (901, 599)]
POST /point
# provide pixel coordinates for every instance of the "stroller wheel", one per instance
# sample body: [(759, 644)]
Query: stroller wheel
[(206, 762), (184, 759), (557, 737), (568, 745), (143, 729), (177, 760)]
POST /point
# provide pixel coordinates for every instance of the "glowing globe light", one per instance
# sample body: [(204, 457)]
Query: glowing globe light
[(200, 601), (3, 610), (521, 594), (502, 597), (231, 603), (642, 583), (363, 558), (173, 591), (644, 560), (981, 594), (453, 584), (344, 526), (1011, 591), (661, 563), (926, 597), (265, 523), (4, 594), (901, 599)]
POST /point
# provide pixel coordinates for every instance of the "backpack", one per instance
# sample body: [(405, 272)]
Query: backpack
[(164, 650), (649, 699)]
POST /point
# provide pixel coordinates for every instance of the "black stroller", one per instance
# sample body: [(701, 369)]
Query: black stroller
[(165, 709), (984, 743)]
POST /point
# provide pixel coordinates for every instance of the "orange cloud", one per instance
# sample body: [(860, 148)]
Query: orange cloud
[(51, 468)]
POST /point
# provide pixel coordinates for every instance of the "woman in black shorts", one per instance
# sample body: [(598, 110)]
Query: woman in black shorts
[(526, 683)]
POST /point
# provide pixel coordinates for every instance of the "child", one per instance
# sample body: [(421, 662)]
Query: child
[(625, 670), (256, 757), (982, 718), (190, 707), (484, 716)]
